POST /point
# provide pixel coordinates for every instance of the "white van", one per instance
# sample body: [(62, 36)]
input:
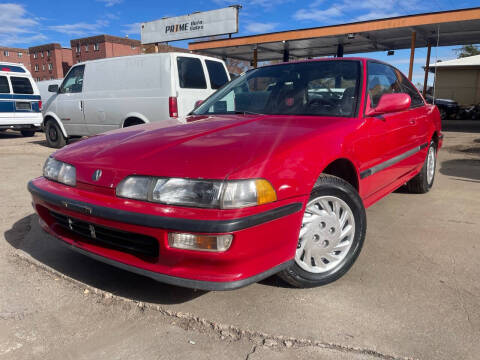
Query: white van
[(107, 94), (20, 102)]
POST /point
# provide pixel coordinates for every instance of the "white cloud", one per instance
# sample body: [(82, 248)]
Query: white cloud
[(133, 28), (318, 15), (266, 4), (346, 10), (109, 3), (17, 26), (81, 28), (257, 27)]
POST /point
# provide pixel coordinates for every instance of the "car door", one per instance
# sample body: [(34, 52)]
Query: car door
[(69, 102), (191, 83), (7, 106), (390, 135)]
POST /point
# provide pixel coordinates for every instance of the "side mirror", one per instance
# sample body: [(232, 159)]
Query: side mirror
[(53, 88), (198, 103), (390, 103)]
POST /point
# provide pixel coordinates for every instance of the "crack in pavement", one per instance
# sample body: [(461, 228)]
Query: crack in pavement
[(191, 322)]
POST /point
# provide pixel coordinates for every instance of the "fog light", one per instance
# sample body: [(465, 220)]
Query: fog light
[(200, 242)]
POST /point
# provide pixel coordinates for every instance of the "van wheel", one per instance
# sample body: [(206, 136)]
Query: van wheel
[(132, 122), (54, 135), (27, 133), (331, 235)]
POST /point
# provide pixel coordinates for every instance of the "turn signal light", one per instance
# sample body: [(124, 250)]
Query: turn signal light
[(217, 243), (265, 192)]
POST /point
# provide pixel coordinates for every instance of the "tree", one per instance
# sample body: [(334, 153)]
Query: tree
[(467, 50)]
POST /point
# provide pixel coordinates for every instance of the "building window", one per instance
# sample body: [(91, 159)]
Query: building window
[(36, 67), (20, 54), (86, 48), (50, 66), (78, 48), (96, 47), (43, 67), (52, 77), (133, 47), (41, 54), (6, 53), (34, 55), (38, 79), (48, 53)]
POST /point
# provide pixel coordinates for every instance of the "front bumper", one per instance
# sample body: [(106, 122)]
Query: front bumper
[(264, 242)]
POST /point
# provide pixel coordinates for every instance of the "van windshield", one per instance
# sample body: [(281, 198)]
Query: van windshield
[(321, 88)]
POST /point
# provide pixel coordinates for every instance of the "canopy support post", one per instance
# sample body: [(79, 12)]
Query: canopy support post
[(412, 55), (255, 57), (427, 69), (286, 52), (340, 50)]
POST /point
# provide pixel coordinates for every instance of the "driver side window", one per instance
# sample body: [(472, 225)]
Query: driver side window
[(73, 83), (381, 80)]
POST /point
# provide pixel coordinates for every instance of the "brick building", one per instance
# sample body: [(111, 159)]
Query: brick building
[(15, 55), (50, 61), (103, 46)]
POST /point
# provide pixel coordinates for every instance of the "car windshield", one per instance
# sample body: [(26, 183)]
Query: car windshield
[(318, 88)]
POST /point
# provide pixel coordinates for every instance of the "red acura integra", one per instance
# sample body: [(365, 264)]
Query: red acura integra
[(271, 174)]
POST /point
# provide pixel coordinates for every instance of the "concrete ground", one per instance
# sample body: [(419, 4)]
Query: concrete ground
[(413, 293)]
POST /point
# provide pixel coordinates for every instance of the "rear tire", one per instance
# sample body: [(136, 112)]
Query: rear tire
[(54, 135), (331, 236), (423, 181), (27, 133)]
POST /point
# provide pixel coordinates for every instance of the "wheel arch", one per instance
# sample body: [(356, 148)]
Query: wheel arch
[(345, 169), (50, 116), (134, 115)]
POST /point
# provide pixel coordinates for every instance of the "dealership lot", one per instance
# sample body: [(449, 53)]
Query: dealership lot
[(413, 293)]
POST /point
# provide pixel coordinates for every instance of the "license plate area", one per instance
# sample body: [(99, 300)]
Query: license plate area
[(23, 105)]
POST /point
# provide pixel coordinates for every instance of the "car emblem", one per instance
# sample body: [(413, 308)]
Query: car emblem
[(97, 175)]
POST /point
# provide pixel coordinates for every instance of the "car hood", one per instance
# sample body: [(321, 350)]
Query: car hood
[(211, 147)]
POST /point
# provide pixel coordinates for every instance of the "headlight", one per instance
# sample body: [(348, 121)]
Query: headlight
[(198, 193), (59, 171)]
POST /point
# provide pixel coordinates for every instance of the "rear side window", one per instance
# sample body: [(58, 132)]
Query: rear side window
[(190, 73), (21, 85), (410, 90), (217, 73), (4, 87)]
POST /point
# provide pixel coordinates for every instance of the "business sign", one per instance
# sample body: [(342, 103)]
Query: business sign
[(200, 24)]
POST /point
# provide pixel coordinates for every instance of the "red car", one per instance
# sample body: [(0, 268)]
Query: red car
[(271, 174)]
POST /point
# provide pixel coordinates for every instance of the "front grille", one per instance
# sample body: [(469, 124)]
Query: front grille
[(128, 242)]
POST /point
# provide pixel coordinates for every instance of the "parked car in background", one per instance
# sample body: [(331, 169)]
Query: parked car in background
[(43, 88), (20, 102), (101, 95), (271, 174), (448, 108)]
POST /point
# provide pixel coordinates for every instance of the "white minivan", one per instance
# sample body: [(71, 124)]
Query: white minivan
[(20, 102), (107, 94)]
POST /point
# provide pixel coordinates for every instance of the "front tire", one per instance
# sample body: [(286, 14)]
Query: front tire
[(423, 181), (331, 236), (54, 135)]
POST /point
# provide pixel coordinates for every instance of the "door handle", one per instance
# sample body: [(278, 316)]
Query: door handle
[(81, 105)]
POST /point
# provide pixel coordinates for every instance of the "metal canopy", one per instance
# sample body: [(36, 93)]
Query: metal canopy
[(458, 27)]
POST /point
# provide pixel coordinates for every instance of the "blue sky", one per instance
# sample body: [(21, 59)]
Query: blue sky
[(33, 22)]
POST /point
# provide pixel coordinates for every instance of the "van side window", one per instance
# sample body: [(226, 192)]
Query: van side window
[(190, 73), (217, 73), (381, 80), (21, 85), (4, 87), (73, 83)]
